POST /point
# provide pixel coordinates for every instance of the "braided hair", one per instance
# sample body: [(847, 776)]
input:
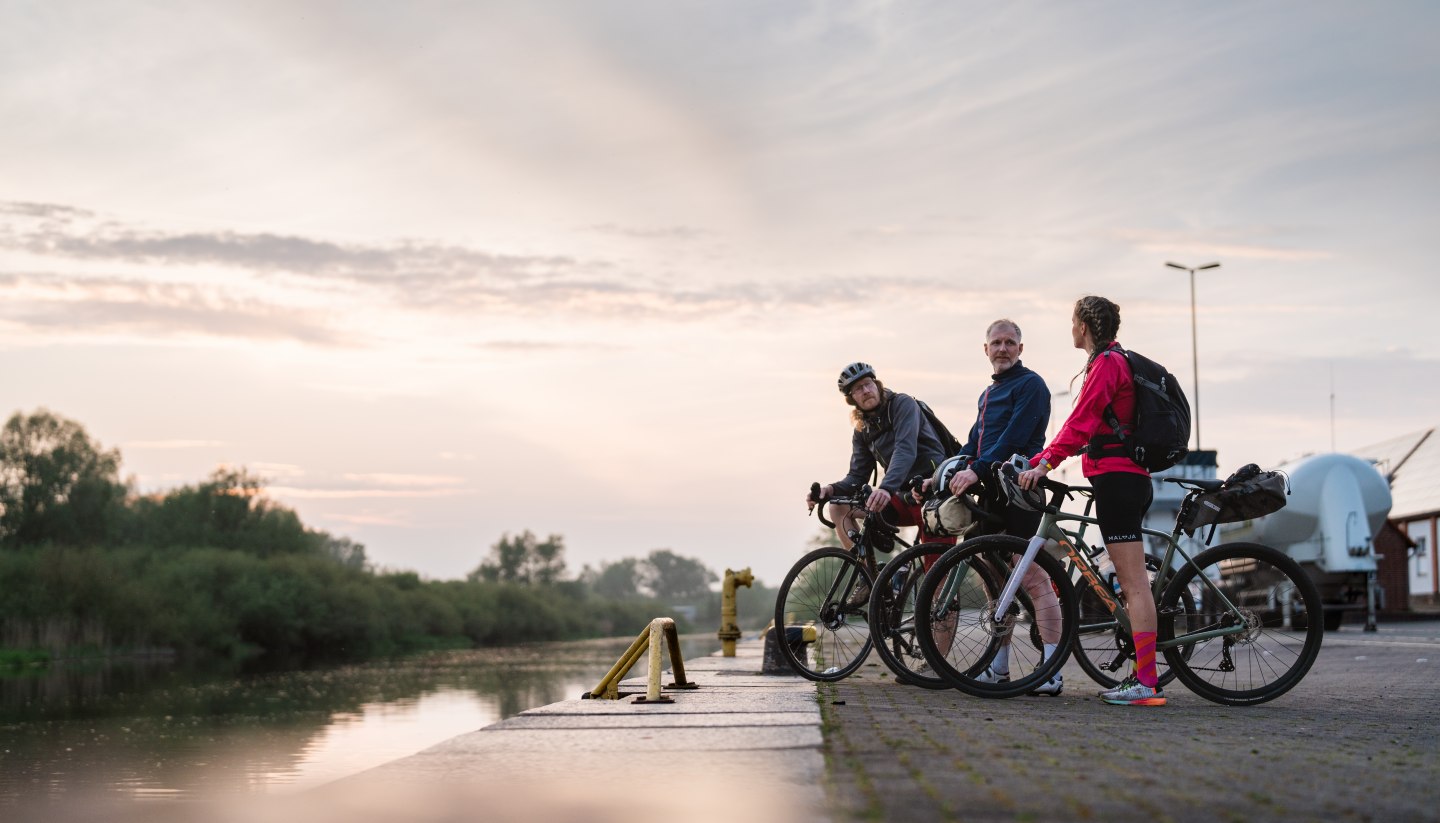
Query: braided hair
[(1101, 317)]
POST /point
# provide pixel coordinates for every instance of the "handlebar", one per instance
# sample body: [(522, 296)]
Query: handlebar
[(1059, 492), (857, 500)]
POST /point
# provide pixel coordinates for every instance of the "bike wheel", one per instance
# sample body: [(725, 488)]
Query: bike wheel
[(1102, 647), (892, 616), (1270, 597), (816, 594), (957, 630)]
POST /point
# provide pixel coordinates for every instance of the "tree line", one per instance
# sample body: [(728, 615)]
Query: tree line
[(88, 565)]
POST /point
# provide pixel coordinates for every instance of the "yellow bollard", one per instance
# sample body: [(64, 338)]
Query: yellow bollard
[(660, 631), (729, 625), (652, 690)]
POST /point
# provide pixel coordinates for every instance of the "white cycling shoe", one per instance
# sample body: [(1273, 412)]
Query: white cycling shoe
[(992, 677), (1051, 687)]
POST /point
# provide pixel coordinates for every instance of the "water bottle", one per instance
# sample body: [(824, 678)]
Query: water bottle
[(1107, 571), (899, 580)]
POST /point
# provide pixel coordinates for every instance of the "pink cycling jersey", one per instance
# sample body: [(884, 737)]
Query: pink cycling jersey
[(1108, 382)]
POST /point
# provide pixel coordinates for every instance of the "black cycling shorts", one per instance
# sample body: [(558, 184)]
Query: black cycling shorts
[(1121, 500)]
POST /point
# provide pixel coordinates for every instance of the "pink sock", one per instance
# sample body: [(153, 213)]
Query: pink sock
[(1145, 659)]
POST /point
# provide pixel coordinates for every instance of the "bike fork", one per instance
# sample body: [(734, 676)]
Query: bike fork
[(1007, 596)]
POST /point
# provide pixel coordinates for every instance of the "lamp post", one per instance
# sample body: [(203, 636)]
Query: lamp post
[(1194, 348)]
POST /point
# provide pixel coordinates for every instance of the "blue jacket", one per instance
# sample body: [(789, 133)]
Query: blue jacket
[(1013, 413), (899, 438)]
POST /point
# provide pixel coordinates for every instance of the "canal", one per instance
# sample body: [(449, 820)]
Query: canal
[(156, 731)]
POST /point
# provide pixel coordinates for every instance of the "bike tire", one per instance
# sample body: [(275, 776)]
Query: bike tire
[(815, 593), (892, 616), (1268, 658), (1102, 648), (968, 639)]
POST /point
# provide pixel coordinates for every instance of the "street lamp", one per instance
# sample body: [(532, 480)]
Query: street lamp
[(1194, 348)]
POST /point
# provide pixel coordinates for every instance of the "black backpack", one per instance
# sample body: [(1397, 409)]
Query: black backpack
[(947, 440), (1161, 435), (948, 443)]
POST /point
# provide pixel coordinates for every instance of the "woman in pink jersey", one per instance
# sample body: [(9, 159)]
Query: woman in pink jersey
[(1122, 488)]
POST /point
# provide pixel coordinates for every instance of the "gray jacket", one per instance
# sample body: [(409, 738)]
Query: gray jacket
[(898, 437)]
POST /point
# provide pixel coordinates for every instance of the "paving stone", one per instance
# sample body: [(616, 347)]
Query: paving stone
[(1356, 740)]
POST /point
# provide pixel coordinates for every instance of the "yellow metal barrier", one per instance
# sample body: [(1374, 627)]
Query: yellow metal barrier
[(650, 639), (729, 618)]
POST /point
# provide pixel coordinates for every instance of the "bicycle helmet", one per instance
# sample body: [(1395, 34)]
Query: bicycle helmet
[(948, 468), (852, 374), (1031, 500)]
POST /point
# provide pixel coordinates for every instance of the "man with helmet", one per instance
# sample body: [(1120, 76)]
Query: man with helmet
[(891, 431)]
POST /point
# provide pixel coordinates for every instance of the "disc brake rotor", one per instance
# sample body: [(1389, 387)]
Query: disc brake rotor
[(994, 629)]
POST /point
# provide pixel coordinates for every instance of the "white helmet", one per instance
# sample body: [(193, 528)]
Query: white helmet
[(1031, 500), (944, 514), (948, 468)]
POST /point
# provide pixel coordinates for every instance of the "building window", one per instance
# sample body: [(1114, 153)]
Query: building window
[(1422, 558)]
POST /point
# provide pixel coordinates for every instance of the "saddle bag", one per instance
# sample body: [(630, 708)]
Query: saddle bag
[(1246, 494)]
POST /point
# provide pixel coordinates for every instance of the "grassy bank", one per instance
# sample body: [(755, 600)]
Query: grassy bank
[(57, 600)]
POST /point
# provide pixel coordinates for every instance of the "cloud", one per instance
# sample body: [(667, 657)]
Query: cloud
[(1372, 396), (271, 471), (419, 276), (394, 480), (1222, 243), (298, 493), (166, 445), (531, 346), (55, 303), (46, 210), (368, 520), (656, 233), (85, 239), (263, 286)]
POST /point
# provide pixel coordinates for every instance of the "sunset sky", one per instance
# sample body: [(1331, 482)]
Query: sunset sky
[(445, 270)]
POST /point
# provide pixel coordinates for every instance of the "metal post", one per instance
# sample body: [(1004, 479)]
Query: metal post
[(1195, 358), (657, 640), (677, 663), (1194, 344), (729, 617), (1370, 587)]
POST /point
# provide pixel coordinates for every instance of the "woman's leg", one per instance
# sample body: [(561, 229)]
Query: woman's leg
[(1129, 560)]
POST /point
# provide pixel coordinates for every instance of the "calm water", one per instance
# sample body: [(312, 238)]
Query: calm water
[(156, 731)]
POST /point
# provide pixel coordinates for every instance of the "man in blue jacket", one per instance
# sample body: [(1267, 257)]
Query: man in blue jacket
[(1014, 411)]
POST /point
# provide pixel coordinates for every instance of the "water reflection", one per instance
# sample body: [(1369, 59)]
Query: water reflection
[(154, 730)]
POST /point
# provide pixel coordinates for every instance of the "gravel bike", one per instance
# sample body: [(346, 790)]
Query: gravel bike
[(1238, 624), (892, 602), (828, 590)]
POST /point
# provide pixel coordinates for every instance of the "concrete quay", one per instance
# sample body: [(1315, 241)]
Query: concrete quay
[(1357, 740), (741, 748)]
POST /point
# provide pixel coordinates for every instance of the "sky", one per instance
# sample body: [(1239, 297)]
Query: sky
[(445, 271)]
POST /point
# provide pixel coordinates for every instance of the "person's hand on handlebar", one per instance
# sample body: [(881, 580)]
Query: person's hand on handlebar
[(811, 501), (878, 500), (914, 491), (963, 480), (1030, 477)]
